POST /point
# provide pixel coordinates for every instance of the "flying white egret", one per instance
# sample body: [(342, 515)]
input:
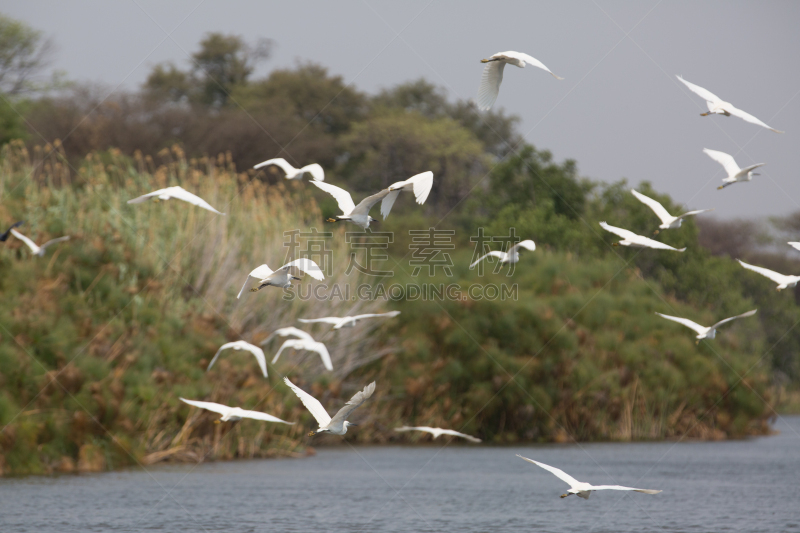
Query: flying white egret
[(179, 193), (629, 238), (295, 173), (493, 74), (338, 424), (782, 281), (795, 245), (4, 236), (717, 106), (346, 321), (702, 331), (512, 256), (35, 249), (281, 277), (307, 344), (667, 221), (579, 488), (357, 214), (437, 432), (420, 185), (734, 172), (285, 332), (242, 345), (233, 414)]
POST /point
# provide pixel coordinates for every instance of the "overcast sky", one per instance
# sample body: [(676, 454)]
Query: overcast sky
[(619, 112)]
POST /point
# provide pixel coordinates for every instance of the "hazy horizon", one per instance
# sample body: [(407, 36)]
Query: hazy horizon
[(620, 112)]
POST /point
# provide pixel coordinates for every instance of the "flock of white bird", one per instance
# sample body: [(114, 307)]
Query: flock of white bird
[(420, 185)]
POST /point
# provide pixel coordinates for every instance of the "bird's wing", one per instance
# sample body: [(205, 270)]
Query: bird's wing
[(53, 241), (388, 202), (707, 95), (257, 273), (258, 415), (771, 274), (625, 234), (493, 253), (182, 194), (311, 403), (530, 60), (726, 160), (145, 197), (490, 84), (422, 185), (341, 196), (4, 236), (795, 245), (620, 487), (527, 244), (255, 350), (375, 315), (213, 360), (210, 406), (686, 322), (650, 243), (743, 315), (409, 428), (746, 170), (366, 204), (327, 320), (747, 117), (357, 399), (657, 208), (308, 266), (696, 212), (285, 332), (291, 343), (560, 474), (322, 350), (459, 434), (32, 245), (315, 170), (278, 162)]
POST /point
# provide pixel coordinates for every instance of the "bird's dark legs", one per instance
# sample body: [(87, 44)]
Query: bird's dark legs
[(312, 433)]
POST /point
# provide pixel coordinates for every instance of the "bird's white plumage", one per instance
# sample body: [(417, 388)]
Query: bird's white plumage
[(242, 345), (795, 245), (702, 331), (667, 220), (731, 168), (307, 344), (420, 185), (492, 75), (338, 424), (281, 277), (179, 193), (342, 197), (629, 238), (357, 214), (285, 332), (581, 488), (345, 321), (718, 106), (291, 172), (437, 432), (782, 280), (36, 249), (235, 413), (312, 404), (512, 256)]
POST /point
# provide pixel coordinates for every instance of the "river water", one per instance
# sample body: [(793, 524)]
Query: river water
[(748, 485)]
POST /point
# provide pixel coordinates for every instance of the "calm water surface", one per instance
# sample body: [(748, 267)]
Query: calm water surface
[(708, 486)]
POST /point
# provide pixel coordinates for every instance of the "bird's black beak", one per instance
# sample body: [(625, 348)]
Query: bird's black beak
[(351, 424), (295, 277)]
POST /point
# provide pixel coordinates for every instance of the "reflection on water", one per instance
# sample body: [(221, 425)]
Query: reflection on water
[(708, 486)]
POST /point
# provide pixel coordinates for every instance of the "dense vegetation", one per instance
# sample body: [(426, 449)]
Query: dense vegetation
[(100, 338)]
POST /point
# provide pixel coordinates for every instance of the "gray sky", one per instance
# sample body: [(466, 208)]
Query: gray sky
[(619, 112)]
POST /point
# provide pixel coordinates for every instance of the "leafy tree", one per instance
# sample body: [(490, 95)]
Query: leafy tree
[(23, 54)]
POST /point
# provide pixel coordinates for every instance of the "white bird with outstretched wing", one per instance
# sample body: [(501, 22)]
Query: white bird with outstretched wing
[(717, 106), (438, 432), (667, 221), (580, 488), (629, 238), (246, 346), (294, 173), (702, 331), (36, 249), (338, 424), (420, 185), (357, 214), (178, 193), (782, 280), (347, 321), (232, 414), (282, 277), (309, 345), (492, 75), (735, 174), (512, 256)]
